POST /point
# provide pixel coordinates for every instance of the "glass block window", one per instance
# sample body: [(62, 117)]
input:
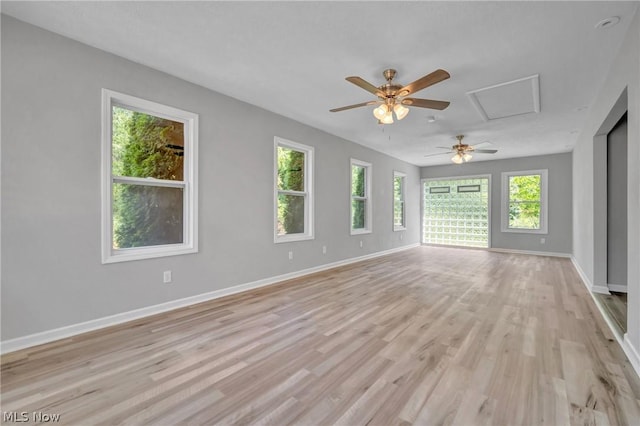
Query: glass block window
[(459, 216)]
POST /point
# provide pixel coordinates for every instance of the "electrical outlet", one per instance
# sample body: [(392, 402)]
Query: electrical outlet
[(324, 249), (166, 277), (360, 243), (543, 240), (290, 255)]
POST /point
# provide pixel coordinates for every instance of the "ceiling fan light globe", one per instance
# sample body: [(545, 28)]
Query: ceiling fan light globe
[(388, 118), (380, 112), (401, 111), (457, 159), (467, 156)]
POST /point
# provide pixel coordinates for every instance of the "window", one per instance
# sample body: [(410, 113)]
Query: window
[(399, 218), (524, 201), (456, 211), (360, 197), (293, 191), (149, 196)]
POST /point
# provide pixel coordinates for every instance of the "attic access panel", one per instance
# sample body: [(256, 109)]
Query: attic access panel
[(517, 97)]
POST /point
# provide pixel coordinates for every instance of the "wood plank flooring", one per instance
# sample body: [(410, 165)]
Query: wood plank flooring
[(428, 336)]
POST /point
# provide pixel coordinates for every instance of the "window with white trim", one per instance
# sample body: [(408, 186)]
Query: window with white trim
[(293, 196), (360, 197), (149, 194), (524, 201), (399, 214)]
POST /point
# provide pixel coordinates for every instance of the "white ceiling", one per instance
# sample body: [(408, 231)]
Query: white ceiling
[(292, 58)]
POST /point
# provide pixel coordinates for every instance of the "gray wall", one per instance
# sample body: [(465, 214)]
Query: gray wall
[(624, 73), (558, 239), (52, 274)]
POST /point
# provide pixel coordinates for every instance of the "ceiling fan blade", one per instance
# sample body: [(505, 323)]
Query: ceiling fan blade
[(425, 103), (422, 83), (439, 153), (365, 85), (354, 106), (486, 151), (485, 143), (448, 148)]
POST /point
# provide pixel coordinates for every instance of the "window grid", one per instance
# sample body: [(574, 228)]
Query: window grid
[(456, 218)]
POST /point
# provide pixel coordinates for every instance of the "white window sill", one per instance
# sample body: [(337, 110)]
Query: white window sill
[(400, 228), (125, 255), (292, 238), (525, 231), (360, 231)]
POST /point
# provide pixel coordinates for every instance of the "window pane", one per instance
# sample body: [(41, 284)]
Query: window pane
[(358, 214), (397, 188), (398, 213), (357, 181), (290, 214), (524, 215), (290, 169), (524, 188), (524, 201), (146, 215), (144, 145)]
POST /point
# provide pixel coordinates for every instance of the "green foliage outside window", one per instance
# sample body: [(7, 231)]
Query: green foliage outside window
[(358, 204), (524, 201), (145, 146), (398, 201), (291, 177)]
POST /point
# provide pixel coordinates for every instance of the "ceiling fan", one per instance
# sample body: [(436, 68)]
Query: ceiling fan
[(392, 97), (462, 152)]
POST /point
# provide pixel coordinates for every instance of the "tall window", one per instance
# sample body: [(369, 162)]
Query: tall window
[(399, 215), (293, 191), (360, 197), (524, 201), (149, 179)]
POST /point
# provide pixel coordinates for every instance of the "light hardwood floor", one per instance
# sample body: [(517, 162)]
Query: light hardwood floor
[(426, 336)]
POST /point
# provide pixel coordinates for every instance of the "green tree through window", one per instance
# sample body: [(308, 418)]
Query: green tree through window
[(524, 201), (358, 201), (291, 186), (146, 146)]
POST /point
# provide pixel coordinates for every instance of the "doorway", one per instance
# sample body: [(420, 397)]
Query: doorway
[(617, 207), (610, 220)]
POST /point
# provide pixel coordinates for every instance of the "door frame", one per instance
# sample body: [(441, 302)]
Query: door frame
[(621, 106)]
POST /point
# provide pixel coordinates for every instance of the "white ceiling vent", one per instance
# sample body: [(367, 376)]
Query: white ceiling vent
[(502, 100)]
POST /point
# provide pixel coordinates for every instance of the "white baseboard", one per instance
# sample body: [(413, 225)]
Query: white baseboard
[(534, 253), (627, 347), (586, 281), (617, 288), (632, 353), (35, 339)]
